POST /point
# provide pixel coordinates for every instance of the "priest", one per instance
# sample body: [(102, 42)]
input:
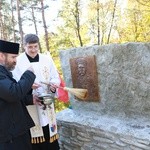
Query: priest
[(15, 121), (44, 133)]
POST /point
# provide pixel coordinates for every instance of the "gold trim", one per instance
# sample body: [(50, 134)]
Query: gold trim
[(53, 138), (36, 140)]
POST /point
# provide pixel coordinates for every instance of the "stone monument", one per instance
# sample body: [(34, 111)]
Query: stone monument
[(120, 120)]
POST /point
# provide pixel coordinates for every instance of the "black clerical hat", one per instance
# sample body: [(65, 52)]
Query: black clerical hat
[(9, 47)]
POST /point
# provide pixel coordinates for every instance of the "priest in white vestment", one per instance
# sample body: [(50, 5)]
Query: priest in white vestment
[(44, 134)]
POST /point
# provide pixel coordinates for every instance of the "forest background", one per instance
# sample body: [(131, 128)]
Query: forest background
[(78, 23)]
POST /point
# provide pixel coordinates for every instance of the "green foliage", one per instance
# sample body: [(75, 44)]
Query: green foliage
[(60, 105), (131, 22), (73, 25), (102, 11), (135, 23)]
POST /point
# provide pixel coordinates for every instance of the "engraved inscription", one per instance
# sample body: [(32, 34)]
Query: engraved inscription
[(84, 75)]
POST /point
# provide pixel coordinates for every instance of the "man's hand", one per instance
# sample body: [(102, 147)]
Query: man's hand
[(52, 88), (36, 100), (35, 86)]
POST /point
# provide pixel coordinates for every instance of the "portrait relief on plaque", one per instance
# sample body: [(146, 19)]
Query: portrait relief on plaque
[(84, 75)]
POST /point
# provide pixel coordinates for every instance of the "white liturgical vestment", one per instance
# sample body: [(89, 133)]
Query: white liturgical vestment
[(45, 71)]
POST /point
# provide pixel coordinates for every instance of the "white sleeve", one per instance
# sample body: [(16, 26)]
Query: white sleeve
[(16, 73)]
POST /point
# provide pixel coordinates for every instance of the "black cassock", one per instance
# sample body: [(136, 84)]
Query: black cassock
[(19, 143), (15, 120)]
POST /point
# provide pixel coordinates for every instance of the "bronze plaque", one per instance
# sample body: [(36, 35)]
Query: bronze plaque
[(84, 75)]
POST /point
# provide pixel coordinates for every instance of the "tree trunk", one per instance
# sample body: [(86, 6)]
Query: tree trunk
[(1, 22), (12, 20), (35, 25), (45, 27), (20, 24), (98, 24), (77, 17), (112, 20)]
